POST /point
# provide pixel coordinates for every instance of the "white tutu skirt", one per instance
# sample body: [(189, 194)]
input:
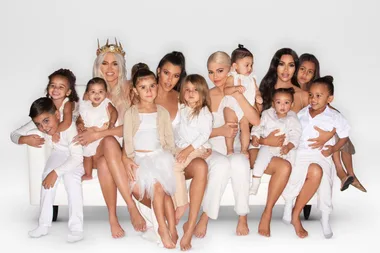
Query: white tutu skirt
[(154, 167)]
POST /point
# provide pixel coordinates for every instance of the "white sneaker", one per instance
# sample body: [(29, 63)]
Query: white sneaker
[(75, 236), (39, 231), (326, 228)]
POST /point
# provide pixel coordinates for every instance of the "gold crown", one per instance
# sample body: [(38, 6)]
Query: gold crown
[(113, 48)]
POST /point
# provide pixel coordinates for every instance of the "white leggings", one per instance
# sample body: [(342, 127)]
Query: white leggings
[(297, 178), (73, 185), (220, 169)]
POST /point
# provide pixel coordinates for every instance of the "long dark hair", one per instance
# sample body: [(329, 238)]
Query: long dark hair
[(270, 79), (69, 75), (178, 59), (313, 59)]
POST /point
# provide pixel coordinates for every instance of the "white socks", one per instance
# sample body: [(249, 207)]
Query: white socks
[(255, 185), (39, 231), (288, 209), (325, 222), (74, 236)]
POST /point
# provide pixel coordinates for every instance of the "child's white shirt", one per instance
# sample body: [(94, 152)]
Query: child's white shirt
[(249, 83), (193, 131), (327, 121), (94, 116)]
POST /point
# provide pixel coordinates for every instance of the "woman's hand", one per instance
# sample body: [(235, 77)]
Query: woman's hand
[(274, 140), (33, 140), (324, 136), (206, 154), (86, 137), (229, 129), (255, 141), (183, 154), (130, 166)]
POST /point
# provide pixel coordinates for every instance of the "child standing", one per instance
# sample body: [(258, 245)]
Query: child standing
[(149, 142), (66, 162), (240, 80), (318, 114), (278, 117), (97, 113), (192, 134)]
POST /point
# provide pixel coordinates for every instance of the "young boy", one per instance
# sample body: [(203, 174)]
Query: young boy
[(317, 114), (65, 161)]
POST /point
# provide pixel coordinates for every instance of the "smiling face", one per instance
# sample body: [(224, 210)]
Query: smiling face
[(218, 73), (97, 93), (47, 122), (146, 89), (319, 97), (306, 73), (286, 68), (110, 69), (244, 66), (58, 88), (168, 76)]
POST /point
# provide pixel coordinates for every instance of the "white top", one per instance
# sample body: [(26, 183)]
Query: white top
[(75, 111), (177, 118), (94, 116), (193, 131), (146, 137), (249, 83), (327, 121), (289, 125)]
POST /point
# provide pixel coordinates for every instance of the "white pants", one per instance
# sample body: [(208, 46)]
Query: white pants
[(73, 185), (299, 172), (220, 169), (264, 157)]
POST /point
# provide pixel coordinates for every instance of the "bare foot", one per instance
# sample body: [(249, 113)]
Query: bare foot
[(179, 212), (86, 177), (264, 226), (201, 228), (245, 152), (137, 220), (300, 231), (242, 226), (174, 234), (165, 238), (116, 230), (230, 151), (185, 242)]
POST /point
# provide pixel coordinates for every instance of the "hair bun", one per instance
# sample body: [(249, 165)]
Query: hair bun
[(240, 46), (329, 79)]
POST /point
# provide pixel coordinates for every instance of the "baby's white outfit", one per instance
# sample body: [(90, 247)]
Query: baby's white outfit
[(289, 125)]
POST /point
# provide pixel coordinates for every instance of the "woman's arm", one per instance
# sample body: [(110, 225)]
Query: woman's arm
[(272, 140), (227, 130), (113, 115)]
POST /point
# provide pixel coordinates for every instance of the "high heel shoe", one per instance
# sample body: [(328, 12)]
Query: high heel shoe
[(346, 183), (358, 185)]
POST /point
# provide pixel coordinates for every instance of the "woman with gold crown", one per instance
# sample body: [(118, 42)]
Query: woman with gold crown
[(110, 65)]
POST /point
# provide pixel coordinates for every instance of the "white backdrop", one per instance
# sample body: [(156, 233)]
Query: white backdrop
[(38, 37)]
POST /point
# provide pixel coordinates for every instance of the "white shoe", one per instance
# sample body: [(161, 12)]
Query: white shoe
[(255, 185), (288, 209), (326, 228), (75, 236), (39, 231)]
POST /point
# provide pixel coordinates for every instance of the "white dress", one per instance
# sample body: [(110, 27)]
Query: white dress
[(93, 117)]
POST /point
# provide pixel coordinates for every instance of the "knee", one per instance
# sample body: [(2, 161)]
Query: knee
[(109, 141), (315, 172), (287, 168), (202, 167)]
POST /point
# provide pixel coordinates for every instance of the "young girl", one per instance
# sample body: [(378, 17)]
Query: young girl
[(279, 117), (319, 114), (240, 80), (97, 113), (149, 142), (61, 89), (192, 133)]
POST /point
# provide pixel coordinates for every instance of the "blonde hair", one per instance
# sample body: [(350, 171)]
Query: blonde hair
[(219, 57), (201, 85), (118, 93)]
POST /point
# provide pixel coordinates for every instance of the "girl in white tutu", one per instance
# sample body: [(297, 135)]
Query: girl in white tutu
[(98, 113), (149, 146)]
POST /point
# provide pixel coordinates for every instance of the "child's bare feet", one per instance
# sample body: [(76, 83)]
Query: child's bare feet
[(116, 230), (242, 226), (264, 226), (185, 242), (86, 177), (201, 227), (165, 238), (137, 220), (300, 231), (245, 152), (230, 151), (179, 212)]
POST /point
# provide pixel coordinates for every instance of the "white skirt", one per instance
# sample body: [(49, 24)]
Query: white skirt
[(154, 167)]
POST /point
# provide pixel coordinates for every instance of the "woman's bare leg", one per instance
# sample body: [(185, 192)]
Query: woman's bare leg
[(170, 217), (159, 210), (280, 170), (197, 170), (112, 153), (109, 191), (313, 179)]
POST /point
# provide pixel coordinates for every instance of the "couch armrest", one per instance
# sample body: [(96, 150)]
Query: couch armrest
[(37, 158)]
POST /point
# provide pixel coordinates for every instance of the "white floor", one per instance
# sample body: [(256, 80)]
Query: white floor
[(355, 223)]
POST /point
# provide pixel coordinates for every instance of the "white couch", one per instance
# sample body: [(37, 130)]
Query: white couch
[(91, 189)]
